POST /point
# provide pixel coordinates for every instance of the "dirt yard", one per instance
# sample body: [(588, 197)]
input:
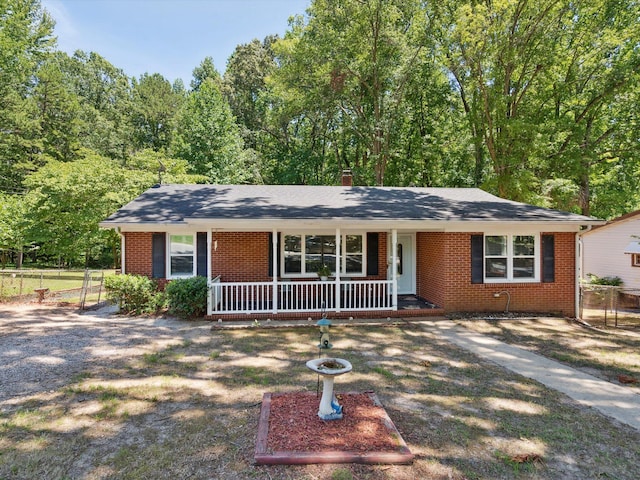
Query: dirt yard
[(99, 396)]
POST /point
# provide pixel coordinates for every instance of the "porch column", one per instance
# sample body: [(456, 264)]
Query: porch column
[(338, 269), (209, 272), (394, 269), (123, 247), (274, 256)]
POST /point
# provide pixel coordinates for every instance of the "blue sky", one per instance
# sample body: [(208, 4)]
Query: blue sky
[(170, 37)]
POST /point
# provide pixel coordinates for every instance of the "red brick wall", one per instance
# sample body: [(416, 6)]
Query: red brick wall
[(431, 266), (446, 278), (137, 253), (443, 270), (240, 256)]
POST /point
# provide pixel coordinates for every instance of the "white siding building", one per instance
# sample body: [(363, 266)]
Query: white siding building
[(604, 247)]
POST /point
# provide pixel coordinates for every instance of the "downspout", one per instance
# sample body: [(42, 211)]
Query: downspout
[(578, 268)]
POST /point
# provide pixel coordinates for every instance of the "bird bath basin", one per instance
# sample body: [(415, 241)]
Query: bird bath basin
[(329, 368)]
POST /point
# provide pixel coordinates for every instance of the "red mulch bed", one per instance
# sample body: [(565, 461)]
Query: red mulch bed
[(295, 433)]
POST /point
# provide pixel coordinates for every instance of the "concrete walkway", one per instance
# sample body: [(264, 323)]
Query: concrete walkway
[(612, 400)]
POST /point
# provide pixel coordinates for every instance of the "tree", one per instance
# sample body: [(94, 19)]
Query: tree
[(155, 105), (58, 111), (25, 41), (348, 68), (67, 200), (537, 80), (206, 70), (207, 137), (14, 221), (245, 86), (104, 93)]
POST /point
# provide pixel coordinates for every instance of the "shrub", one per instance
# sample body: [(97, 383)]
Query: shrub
[(187, 297), (134, 293), (595, 280)]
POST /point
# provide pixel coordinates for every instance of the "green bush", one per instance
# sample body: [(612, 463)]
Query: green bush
[(187, 297), (134, 293), (613, 281)]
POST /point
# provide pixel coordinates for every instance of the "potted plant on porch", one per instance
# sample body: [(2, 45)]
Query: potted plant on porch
[(324, 272)]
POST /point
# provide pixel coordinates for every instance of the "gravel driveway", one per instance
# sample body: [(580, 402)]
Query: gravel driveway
[(41, 348)]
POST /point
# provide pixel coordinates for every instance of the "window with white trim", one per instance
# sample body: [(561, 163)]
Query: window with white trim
[(303, 255), (511, 258), (181, 255), (635, 259)]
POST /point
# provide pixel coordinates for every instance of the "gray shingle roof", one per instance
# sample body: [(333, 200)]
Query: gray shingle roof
[(176, 203)]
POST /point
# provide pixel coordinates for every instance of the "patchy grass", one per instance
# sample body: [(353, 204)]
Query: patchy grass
[(606, 352), (190, 410)]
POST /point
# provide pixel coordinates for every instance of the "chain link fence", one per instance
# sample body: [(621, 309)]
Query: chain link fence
[(610, 305), (84, 288)]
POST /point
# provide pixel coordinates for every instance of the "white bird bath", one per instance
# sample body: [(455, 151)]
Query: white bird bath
[(329, 368)]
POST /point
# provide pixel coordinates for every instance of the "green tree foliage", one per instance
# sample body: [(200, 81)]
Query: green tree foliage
[(538, 80), (58, 111), (155, 105), (206, 70), (14, 223), (344, 75), (104, 94), (25, 40), (208, 138), (67, 200), (245, 86)]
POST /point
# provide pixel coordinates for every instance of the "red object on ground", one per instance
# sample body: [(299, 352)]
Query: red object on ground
[(290, 431)]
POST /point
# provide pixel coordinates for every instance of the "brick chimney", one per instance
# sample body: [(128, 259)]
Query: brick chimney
[(347, 178)]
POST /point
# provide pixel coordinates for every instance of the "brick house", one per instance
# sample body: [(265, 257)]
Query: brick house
[(261, 247)]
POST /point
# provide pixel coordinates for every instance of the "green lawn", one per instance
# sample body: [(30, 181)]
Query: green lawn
[(16, 283)]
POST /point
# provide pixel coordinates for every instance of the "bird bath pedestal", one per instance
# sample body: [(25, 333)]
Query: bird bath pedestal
[(329, 368)]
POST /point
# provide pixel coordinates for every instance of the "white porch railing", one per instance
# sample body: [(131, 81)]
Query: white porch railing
[(299, 296)]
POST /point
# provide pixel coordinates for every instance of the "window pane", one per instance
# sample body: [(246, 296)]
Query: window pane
[(523, 245), (292, 263), (354, 243), (496, 268), (314, 262), (523, 268), (182, 265), (354, 264), (181, 244), (495, 246), (292, 243), (320, 244)]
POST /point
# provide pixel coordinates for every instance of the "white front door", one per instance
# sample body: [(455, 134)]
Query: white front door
[(406, 264)]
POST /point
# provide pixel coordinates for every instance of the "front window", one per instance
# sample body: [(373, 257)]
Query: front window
[(510, 257), (304, 255), (181, 255)]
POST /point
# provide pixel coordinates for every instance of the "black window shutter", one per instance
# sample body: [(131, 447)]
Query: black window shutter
[(270, 255), (372, 253), (202, 254), (548, 259), (158, 255), (477, 258)]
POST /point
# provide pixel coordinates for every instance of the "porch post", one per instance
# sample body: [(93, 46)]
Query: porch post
[(338, 269), (394, 268), (209, 271), (274, 256)]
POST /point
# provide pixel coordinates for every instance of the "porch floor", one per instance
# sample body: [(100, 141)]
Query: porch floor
[(408, 306), (413, 302)]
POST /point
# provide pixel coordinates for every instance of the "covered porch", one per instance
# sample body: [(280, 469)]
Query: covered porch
[(285, 293)]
